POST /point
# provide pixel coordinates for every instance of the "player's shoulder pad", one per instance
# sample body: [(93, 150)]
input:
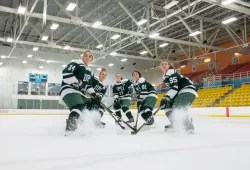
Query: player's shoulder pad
[(170, 72), (95, 77), (90, 70), (78, 62), (141, 80), (124, 80)]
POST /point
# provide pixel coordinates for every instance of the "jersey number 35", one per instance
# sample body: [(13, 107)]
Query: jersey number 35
[(172, 80)]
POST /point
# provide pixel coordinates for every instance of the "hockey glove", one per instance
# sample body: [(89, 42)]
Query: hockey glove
[(117, 104), (165, 102), (96, 97), (117, 101)]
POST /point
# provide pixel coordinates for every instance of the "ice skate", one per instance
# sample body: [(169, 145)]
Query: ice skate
[(149, 124), (71, 126), (169, 127), (188, 124), (100, 124), (131, 120)]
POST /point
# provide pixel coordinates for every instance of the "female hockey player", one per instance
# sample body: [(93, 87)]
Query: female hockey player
[(146, 98), (75, 85), (100, 89), (180, 96), (122, 97)]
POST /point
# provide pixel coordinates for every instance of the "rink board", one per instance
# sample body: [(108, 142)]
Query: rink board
[(219, 112)]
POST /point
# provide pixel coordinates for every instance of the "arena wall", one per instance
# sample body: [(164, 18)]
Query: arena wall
[(220, 112)]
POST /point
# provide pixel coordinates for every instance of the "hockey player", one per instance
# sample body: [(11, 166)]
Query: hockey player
[(122, 97), (180, 96), (146, 98), (75, 85), (100, 89)]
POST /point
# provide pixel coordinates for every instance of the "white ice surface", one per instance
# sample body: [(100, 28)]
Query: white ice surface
[(37, 143)]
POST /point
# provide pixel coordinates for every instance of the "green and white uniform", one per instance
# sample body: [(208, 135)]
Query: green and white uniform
[(100, 89), (181, 94), (147, 93), (179, 86), (76, 82), (76, 85), (121, 91)]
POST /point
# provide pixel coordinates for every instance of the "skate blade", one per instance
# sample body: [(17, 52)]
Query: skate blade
[(68, 133), (191, 131), (169, 130), (101, 126)]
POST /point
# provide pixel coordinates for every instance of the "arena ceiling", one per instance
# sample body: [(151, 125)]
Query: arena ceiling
[(173, 20)]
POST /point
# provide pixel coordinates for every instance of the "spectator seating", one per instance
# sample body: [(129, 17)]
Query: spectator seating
[(207, 97), (230, 69), (244, 68), (240, 97)]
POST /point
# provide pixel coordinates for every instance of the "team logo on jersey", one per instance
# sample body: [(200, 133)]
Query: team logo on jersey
[(86, 78)]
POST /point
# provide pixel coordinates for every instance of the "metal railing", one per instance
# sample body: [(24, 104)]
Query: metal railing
[(232, 76)]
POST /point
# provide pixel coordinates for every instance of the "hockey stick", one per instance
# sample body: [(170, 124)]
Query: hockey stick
[(111, 106), (112, 114), (137, 116), (138, 130)]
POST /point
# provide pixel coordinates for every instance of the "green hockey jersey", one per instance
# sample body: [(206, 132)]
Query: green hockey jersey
[(121, 90), (144, 89), (76, 79), (178, 83), (98, 86)]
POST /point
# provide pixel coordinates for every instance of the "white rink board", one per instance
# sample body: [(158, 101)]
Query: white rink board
[(210, 111)]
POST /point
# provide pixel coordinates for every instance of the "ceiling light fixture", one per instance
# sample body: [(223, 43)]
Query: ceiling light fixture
[(66, 47), (99, 46), (163, 45), (99, 69), (156, 34), (97, 24), (9, 39), (24, 62), (171, 4), (45, 38), (116, 36), (3, 56), (1, 63), (143, 52), (40, 67), (21, 9), (35, 48), (194, 33), (113, 53), (64, 66), (124, 59), (207, 60), (141, 22), (71, 6), (29, 56), (226, 2), (229, 20), (111, 64), (54, 26)]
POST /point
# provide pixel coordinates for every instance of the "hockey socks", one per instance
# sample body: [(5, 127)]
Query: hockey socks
[(128, 114), (118, 114), (146, 116), (73, 119)]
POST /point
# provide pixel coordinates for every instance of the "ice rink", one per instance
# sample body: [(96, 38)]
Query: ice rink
[(37, 143)]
